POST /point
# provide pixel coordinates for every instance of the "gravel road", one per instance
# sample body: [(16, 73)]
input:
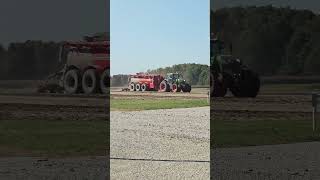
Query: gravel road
[(299, 161), (160, 144)]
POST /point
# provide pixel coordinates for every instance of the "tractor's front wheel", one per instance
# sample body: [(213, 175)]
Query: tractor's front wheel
[(248, 85), (186, 88)]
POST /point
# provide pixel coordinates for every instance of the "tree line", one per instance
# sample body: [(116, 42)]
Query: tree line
[(195, 74), (271, 40), (33, 59), (28, 60)]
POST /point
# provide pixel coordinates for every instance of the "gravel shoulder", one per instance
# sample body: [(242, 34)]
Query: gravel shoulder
[(172, 136), (286, 161)]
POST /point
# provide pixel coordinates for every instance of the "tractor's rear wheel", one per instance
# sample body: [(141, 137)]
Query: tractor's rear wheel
[(132, 87), (144, 87), (90, 81), (164, 87), (71, 81), (105, 82), (138, 87), (217, 88)]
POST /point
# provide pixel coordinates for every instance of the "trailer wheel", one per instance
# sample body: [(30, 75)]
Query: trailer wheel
[(105, 82), (90, 81), (144, 87), (71, 81), (138, 87), (164, 87), (132, 87)]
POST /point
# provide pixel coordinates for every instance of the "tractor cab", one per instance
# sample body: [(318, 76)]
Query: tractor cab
[(174, 78)]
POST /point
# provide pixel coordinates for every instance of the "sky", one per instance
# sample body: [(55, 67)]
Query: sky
[(55, 20), (148, 34), (313, 5)]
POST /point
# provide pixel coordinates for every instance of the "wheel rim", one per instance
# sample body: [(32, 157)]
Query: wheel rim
[(70, 81)]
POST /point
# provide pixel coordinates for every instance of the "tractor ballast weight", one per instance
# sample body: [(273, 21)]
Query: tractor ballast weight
[(228, 73)]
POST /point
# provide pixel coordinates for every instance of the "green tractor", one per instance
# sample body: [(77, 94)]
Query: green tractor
[(228, 72), (174, 82)]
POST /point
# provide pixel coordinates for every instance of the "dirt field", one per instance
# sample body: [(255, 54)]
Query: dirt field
[(267, 106), (195, 93)]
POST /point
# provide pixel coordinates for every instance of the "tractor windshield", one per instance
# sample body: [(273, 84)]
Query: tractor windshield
[(173, 76)]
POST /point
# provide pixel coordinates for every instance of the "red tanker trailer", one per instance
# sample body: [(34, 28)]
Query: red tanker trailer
[(145, 82), (155, 82)]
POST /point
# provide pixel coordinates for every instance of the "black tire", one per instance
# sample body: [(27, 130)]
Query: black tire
[(248, 85), (253, 84), (138, 87), (144, 87), (105, 82), (186, 88), (71, 81), (132, 87), (90, 81), (164, 87)]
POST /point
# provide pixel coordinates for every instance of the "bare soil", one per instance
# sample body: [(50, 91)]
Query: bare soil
[(263, 106)]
